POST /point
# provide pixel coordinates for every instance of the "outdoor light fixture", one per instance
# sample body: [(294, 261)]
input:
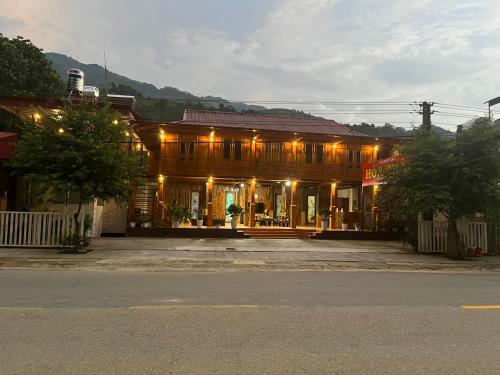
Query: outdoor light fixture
[(61, 130), (127, 134), (210, 179), (294, 143), (138, 147), (375, 148), (242, 185), (115, 122), (288, 183), (161, 178)]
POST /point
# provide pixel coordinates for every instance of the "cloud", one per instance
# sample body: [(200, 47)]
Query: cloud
[(364, 50)]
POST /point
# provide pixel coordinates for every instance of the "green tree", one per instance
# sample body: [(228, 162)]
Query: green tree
[(24, 71), (459, 178), (83, 149)]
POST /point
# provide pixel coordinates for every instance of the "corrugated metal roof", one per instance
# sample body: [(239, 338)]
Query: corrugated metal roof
[(311, 125)]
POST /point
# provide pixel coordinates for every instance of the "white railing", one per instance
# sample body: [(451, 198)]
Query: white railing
[(433, 235), (34, 229)]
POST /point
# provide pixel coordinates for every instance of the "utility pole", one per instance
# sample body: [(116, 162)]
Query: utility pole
[(426, 113)]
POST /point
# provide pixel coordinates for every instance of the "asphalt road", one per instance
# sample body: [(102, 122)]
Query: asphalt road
[(67, 322)]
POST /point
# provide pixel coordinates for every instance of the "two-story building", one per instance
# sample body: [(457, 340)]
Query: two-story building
[(279, 169)]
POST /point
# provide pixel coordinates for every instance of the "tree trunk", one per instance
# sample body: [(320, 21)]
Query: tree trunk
[(456, 248), (78, 224)]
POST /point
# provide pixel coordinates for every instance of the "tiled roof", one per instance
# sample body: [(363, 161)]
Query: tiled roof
[(307, 125)]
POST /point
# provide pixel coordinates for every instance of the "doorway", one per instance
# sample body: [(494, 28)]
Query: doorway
[(230, 199), (311, 209)]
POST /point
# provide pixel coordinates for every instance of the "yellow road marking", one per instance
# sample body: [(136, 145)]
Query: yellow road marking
[(154, 307), (485, 307)]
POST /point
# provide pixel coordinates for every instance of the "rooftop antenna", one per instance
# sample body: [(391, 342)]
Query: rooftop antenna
[(105, 72)]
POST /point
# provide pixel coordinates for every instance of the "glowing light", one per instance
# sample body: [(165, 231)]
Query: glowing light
[(294, 143), (115, 122), (334, 145), (375, 148), (161, 178), (127, 134), (61, 130), (254, 180), (256, 195), (294, 183), (253, 141), (210, 179), (162, 136), (138, 147), (288, 183), (37, 116), (242, 185)]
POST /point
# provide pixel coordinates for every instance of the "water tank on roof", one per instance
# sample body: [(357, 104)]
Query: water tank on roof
[(74, 84), (90, 92)]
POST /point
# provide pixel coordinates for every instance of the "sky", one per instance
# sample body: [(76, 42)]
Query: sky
[(444, 51)]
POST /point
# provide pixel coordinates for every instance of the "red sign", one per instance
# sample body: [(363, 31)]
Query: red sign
[(371, 170)]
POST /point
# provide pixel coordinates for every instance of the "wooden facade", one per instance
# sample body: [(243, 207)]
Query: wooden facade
[(284, 171)]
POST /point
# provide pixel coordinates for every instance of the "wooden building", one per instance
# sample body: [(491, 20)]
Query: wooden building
[(281, 170)]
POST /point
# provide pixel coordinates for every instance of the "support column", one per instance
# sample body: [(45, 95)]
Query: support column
[(293, 206), (253, 186), (283, 200), (210, 203), (333, 209), (162, 194)]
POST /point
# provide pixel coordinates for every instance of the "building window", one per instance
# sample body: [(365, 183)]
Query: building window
[(319, 153), (226, 153), (191, 150), (182, 150), (354, 159), (309, 153), (237, 150)]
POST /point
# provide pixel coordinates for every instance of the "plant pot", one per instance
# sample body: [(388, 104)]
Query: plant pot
[(345, 226), (234, 223), (324, 225), (146, 225), (175, 223), (131, 224), (199, 223)]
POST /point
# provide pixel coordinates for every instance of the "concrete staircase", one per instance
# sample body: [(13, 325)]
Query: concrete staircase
[(278, 233)]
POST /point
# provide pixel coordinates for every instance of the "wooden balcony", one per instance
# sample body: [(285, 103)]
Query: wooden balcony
[(261, 169)]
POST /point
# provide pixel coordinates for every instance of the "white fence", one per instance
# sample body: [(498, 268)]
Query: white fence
[(34, 229), (433, 235)]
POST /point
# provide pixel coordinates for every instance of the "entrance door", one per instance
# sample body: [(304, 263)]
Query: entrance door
[(311, 209), (230, 199)]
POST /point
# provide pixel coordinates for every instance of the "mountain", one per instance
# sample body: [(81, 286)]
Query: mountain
[(95, 75), (160, 103)]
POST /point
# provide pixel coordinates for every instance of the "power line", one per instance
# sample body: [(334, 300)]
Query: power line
[(460, 106)]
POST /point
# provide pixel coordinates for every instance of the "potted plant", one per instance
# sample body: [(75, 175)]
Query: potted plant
[(199, 218), (357, 226), (325, 214), (234, 211), (145, 220), (344, 220), (177, 214), (218, 222)]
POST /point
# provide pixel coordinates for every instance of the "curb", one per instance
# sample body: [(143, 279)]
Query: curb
[(233, 265)]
